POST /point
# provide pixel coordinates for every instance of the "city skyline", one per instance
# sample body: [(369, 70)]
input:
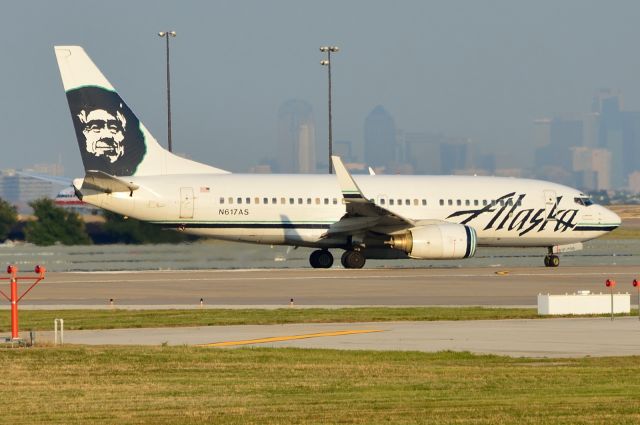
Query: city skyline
[(474, 71)]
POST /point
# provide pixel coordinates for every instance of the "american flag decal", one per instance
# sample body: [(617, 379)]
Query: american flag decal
[(204, 189)]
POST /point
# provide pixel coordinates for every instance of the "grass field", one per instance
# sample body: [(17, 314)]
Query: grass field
[(110, 319), (176, 385), (113, 319)]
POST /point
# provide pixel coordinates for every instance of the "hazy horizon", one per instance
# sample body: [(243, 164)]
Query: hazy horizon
[(479, 70)]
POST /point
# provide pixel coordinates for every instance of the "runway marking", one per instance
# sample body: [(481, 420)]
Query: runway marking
[(338, 276), (288, 338)]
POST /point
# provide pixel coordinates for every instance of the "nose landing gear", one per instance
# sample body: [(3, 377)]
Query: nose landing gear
[(551, 260)]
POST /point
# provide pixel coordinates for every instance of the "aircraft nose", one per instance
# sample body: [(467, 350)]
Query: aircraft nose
[(611, 218)]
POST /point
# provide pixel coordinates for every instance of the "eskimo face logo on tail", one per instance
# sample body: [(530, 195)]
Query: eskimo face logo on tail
[(108, 132)]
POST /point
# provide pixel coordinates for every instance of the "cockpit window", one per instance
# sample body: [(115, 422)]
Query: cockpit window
[(583, 200)]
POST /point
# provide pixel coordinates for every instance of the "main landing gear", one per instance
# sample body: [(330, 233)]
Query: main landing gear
[(551, 260), (321, 259), (353, 260)]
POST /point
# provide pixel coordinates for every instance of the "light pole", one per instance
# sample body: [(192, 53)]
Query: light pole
[(166, 35), (327, 63)]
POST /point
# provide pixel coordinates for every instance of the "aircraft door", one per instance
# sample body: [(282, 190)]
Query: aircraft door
[(186, 202), (549, 203)]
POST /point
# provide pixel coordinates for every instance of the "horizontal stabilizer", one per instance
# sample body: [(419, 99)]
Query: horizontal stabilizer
[(100, 181)]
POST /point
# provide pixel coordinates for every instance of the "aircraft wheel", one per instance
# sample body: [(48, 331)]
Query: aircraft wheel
[(353, 260), (321, 259), (551, 261)]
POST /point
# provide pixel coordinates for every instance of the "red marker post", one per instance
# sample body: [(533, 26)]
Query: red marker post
[(611, 284), (636, 284), (14, 299)]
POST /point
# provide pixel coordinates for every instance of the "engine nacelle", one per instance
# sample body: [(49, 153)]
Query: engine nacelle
[(437, 241)]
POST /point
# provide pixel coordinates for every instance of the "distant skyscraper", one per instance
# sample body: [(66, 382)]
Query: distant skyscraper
[(563, 134), (296, 138), (592, 168), (422, 151), (456, 155), (379, 138)]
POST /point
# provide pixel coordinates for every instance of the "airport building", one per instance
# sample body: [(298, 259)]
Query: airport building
[(19, 190)]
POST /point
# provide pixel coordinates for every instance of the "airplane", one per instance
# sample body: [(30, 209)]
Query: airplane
[(366, 216)]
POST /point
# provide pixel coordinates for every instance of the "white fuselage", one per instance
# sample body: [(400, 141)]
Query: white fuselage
[(298, 209)]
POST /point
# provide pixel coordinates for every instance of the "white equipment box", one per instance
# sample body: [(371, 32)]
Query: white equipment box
[(583, 302)]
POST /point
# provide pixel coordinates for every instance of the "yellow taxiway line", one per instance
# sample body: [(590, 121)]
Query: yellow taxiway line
[(289, 338)]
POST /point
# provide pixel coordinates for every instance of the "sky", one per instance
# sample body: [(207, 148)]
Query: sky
[(483, 70)]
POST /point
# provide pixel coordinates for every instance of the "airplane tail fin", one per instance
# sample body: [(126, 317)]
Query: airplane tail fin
[(111, 137)]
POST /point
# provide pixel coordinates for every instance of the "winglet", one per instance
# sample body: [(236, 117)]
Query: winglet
[(350, 190)]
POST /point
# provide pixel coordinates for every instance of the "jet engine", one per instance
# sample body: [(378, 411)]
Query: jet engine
[(437, 241)]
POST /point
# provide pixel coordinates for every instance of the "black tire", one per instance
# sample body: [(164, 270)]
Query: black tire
[(343, 259), (353, 260), (324, 259), (546, 261), (313, 259), (554, 261)]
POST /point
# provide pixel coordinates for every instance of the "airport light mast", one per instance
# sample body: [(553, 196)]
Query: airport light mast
[(166, 35), (327, 63)]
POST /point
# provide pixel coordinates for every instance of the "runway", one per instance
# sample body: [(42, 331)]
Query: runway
[(272, 288)]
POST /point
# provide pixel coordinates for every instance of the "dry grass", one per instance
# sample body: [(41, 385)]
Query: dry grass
[(111, 319), (182, 385)]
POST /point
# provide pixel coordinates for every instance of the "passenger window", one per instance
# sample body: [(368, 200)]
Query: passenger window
[(248, 200), (467, 202), (390, 201), (424, 202), (317, 201), (399, 201), (484, 202), (326, 201), (475, 202), (265, 200), (450, 202), (274, 200), (230, 200), (308, 201), (441, 202), (292, 201), (509, 201), (502, 202), (335, 201), (239, 200), (299, 201), (222, 200), (382, 201), (256, 200), (458, 202), (407, 202), (282, 201)]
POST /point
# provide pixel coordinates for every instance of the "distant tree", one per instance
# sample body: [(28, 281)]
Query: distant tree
[(117, 229), (8, 218), (55, 225)]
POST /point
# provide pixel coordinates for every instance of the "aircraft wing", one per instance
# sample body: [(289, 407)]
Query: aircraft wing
[(362, 214)]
